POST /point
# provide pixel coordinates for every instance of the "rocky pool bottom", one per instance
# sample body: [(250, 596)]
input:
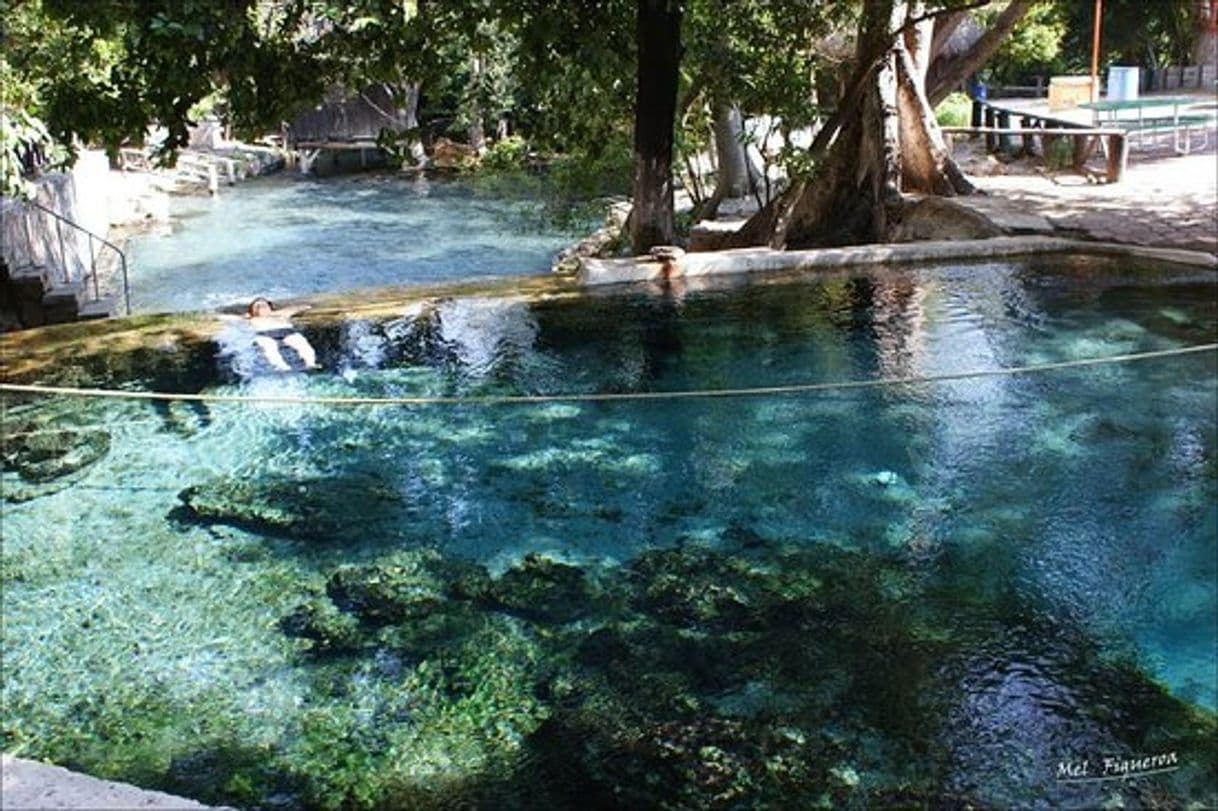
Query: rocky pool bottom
[(985, 593), (758, 674)]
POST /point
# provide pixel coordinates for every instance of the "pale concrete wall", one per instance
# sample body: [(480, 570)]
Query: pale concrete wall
[(31, 236)]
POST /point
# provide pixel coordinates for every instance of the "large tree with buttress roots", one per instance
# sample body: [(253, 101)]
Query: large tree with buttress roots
[(883, 140)]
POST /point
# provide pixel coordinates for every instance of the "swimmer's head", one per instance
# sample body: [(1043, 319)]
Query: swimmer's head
[(260, 308)]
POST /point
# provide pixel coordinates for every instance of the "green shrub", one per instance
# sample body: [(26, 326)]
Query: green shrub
[(1059, 153), (505, 154), (954, 111)]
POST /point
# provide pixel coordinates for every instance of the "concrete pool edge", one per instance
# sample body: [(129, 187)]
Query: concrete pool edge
[(594, 272), (32, 785), (24, 353)]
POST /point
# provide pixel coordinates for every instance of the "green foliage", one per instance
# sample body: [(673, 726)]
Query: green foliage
[(506, 154), (954, 111), (762, 57), (1033, 48), (578, 183), (1059, 154), (20, 136), (1133, 32)]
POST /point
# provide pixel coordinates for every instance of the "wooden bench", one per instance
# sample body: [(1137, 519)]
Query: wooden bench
[(1035, 127), (1115, 143)]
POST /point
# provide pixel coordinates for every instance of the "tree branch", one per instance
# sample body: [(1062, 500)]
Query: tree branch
[(945, 27), (937, 13), (945, 74)]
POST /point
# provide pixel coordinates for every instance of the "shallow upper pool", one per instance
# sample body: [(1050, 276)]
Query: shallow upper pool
[(287, 235), (941, 593)]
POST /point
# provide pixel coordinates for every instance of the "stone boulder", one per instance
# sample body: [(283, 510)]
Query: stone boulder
[(604, 241), (937, 218), (446, 154)]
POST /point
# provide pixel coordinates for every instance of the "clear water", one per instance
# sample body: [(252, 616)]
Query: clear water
[(287, 235), (1019, 571)]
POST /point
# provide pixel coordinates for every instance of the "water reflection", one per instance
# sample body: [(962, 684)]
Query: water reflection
[(925, 594)]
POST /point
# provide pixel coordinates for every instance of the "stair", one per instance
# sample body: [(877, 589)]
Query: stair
[(33, 294), (24, 288), (61, 303), (30, 278), (104, 307)]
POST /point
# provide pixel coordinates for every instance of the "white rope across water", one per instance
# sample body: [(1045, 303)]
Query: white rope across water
[(513, 399)]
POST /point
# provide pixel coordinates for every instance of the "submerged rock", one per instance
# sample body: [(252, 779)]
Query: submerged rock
[(314, 508), (46, 457), (719, 590), (325, 625), (542, 588), (406, 586), (699, 678)]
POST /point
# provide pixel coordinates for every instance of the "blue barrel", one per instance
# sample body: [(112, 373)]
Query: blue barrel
[(1122, 83)]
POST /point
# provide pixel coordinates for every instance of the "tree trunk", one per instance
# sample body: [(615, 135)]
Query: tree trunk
[(734, 178), (849, 199), (926, 165), (887, 141), (658, 34), (477, 137), (409, 115), (1205, 41), (945, 27)]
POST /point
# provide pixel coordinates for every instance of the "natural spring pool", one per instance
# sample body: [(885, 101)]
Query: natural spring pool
[(287, 235), (986, 592)]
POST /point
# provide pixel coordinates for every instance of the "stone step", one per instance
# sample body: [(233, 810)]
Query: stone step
[(28, 273), (62, 303), (104, 307)]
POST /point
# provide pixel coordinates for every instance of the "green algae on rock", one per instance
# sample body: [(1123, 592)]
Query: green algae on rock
[(700, 678), (309, 507), (47, 456)]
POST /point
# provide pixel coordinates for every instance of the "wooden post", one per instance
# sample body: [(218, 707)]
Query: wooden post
[(977, 115), (1029, 147), (1095, 51), (1005, 142), (991, 140), (1118, 156), (1082, 149)]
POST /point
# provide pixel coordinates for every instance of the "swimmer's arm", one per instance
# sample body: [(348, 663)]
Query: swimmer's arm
[(288, 312)]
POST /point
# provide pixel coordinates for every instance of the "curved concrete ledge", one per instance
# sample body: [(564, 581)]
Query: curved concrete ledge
[(31, 785), (750, 260)]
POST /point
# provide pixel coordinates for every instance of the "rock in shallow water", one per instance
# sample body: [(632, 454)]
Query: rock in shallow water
[(313, 508), (46, 457)]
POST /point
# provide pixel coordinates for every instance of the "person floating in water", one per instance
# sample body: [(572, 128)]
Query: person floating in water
[(272, 329)]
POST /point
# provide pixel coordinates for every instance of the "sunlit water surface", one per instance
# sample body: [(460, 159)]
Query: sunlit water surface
[(1063, 523), (287, 235)]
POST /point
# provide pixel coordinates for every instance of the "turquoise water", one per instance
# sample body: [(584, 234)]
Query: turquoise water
[(286, 235), (929, 594)]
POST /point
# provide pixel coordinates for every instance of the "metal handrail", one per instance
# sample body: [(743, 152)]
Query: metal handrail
[(92, 254)]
